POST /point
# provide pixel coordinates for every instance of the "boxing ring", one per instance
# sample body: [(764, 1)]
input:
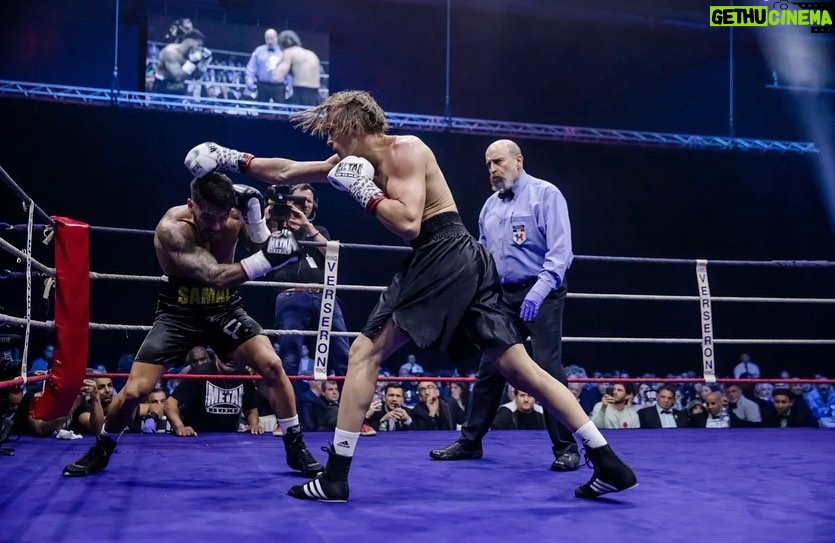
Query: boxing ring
[(732, 485)]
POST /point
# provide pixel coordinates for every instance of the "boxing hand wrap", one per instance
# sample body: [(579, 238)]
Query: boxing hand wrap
[(208, 157), (250, 203), (281, 249), (355, 175), (189, 67)]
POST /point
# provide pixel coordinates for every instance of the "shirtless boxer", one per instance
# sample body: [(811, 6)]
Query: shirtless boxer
[(446, 294), (198, 304)]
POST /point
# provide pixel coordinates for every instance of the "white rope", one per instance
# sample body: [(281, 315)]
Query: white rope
[(41, 325), (49, 325), (23, 256), (577, 295), (270, 284), (24, 366), (673, 298)]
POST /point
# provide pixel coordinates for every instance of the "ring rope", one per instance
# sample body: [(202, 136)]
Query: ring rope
[(23, 256), (23, 196), (9, 274), (571, 339), (17, 381), (463, 379), (578, 295), (587, 258)]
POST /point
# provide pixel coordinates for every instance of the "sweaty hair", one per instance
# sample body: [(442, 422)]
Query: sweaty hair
[(288, 38), (349, 111), (214, 189), (194, 34)]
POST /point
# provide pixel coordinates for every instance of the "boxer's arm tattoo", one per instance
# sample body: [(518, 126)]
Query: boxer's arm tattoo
[(196, 262)]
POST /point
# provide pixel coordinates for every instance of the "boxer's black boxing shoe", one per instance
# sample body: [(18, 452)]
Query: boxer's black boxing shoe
[(330, 485), (611, 474), (298, 457), (95, 460)]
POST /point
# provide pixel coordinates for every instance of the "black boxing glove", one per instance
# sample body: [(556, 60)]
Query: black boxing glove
[(251, 204), (281, 249)]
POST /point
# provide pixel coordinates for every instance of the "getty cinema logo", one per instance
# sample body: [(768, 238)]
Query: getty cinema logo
[(816, 15)]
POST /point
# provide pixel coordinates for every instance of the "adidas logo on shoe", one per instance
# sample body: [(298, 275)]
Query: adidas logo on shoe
[(343, 444)]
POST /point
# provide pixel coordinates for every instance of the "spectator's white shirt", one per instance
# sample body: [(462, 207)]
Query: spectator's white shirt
[(748, 410), (747, 367), (612, 418)]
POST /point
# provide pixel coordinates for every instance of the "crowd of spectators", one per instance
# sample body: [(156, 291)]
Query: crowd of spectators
[(188, 407)]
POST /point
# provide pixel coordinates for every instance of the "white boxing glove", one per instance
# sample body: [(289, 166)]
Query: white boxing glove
[(209, 157), (194, 56), (355, 175), (205, 59)]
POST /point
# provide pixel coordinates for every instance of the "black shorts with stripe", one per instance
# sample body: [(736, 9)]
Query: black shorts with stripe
[(446, 295)]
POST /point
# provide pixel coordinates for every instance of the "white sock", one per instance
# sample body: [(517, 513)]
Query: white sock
[(107, 435), (284, 424), (589, 436), (344, 442)]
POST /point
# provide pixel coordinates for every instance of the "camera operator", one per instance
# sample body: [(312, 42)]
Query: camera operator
[(298, 308)]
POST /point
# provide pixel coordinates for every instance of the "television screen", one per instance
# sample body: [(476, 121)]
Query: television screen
[(210, 59)]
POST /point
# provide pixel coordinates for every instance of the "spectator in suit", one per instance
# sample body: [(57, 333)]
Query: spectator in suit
[(785, 415), (390, 414), (662, 414), (432, 412)]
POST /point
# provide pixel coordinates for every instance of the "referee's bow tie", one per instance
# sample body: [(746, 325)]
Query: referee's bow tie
[(506, 194)]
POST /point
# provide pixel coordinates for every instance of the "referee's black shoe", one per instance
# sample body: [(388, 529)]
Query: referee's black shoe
[(611, 474), (330, 485), (458, 451)]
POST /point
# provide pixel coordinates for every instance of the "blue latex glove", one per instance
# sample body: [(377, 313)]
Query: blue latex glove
[(149, 425), (533, 301)]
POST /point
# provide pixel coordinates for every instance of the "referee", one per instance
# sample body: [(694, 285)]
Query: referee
[(525, 227)]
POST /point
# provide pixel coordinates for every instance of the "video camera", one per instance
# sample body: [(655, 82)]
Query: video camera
[(9, 362), (280, 199)]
